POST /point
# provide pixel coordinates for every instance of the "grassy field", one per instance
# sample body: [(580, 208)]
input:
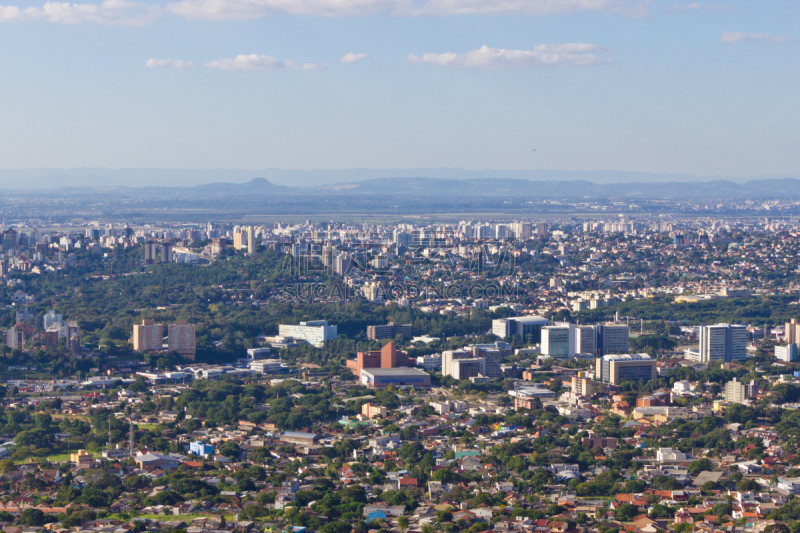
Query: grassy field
[(57, 458), (5, 375), (148, 427)]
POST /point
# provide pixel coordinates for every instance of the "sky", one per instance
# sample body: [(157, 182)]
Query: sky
[(706, 88)]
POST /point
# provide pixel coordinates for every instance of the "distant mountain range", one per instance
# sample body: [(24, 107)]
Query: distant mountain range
[(223, 184), (49, 178), (427, 188)]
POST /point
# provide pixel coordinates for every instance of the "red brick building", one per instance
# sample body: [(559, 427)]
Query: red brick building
[(387, 357)]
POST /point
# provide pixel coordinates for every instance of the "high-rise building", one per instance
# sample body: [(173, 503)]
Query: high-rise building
[(612, 338), (558, 341), (328, 256), (149, 252), (723, 342), (450, 356), (542, 231), (401, 238), (181, 338), (787, 353), (147, 336), (49, 339), (491, 357), (51, 322), (73, 336), (239, 238), (166, 252), (582, 385), (616, 368), (468, 368), (792, 332), (251, 239), (344, 264), (738, 392), (9, 240), (585, 340), (14, 338), (522, 230)]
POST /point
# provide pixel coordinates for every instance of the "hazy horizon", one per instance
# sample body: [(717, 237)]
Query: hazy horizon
[(52, 178)]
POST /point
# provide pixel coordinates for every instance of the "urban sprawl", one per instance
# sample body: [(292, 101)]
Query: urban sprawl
[(625, 374)]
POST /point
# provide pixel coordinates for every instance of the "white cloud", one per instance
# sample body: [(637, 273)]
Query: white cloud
[(684, 7), (694, 6), (740, 37), (570, 54), (261, 62), (168, 63), (250, 9), (352, 57), (127, 12), (113, 12)]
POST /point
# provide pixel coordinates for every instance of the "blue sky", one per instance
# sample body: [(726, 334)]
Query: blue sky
[(704, 88)]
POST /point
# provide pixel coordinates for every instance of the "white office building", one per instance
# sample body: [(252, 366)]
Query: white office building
[(558, 341), (787, 354), (313, 332), (671, 455), (430, 363), (612, 338), (258, 353), (527, 327), (265, 366), (682, 387), (585, 340), (723, 342)]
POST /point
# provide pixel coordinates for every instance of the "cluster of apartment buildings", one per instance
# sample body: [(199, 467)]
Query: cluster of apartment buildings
[(149, 337), (53, 329)]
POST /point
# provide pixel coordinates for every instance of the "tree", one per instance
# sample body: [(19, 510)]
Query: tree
[(554, 509), (708, 487), (230, 449), (445, 476), (777, 528), (402, 522), (747, 485), (31, 517), (701, 465), (661, 511), (626, 512)]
